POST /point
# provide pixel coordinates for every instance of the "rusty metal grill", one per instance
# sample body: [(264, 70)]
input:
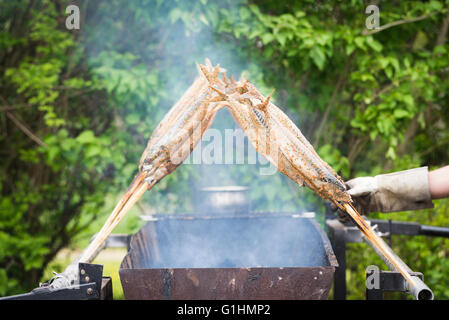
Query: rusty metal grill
[(256, 256)]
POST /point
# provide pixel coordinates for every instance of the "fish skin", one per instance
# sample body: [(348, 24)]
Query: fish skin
[(269, 130), (266, 126), (297, 158)]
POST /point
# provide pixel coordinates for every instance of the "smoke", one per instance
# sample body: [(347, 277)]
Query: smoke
[(168, 48), (236, 243), (177, 36)]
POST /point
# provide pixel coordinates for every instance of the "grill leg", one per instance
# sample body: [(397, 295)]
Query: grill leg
[(339, 245), (374, 294)]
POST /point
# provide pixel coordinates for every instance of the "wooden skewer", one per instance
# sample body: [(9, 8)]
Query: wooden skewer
[(379, 243), (122, 208)]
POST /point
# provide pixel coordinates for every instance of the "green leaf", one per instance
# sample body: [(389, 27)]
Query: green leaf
[(267, 38), (203, 19), (375, 45), (318, 57), (132, 119), (391, 153), (360, 42), (350, 48), (408, 100), (86, 136), (400, 113), (175, 15), (92, 151)]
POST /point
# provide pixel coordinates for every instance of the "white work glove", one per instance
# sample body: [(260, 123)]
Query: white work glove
[(362, 186), (397, 191)]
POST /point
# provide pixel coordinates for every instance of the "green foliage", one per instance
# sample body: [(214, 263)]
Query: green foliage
[(368, 103), (46, 187), (36, 77)]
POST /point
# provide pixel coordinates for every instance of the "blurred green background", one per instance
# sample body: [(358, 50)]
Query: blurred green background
[(77, 106)]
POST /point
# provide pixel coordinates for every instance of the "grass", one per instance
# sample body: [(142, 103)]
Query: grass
[(110, 259)]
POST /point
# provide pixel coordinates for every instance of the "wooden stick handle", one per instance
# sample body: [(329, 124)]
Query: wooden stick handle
[(380, 244), (122, 208)]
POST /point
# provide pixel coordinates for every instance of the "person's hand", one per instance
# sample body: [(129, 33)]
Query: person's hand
[(362, 186), (361, 190), (397, 191), (364, 191), (341, 216)]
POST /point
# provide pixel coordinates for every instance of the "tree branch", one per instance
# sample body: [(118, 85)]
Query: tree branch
[(25, 130), (443, 31), (22, 126), (15, 107), (398, 22)]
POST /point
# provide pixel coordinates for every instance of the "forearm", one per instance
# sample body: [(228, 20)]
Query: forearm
[(439, 183)]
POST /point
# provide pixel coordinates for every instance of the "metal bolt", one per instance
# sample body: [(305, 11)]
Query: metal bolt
[(83, 271), (89, 291), (87, 279)]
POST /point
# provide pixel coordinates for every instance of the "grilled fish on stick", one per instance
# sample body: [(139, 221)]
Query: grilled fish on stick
[(196, 111), (274, 135), (297, 159), (270, 131), (175, 136)]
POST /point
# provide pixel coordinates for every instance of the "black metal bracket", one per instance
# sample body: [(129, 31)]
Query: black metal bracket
[(92, 286), (91, 273), (341, 234), (380, 281)]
